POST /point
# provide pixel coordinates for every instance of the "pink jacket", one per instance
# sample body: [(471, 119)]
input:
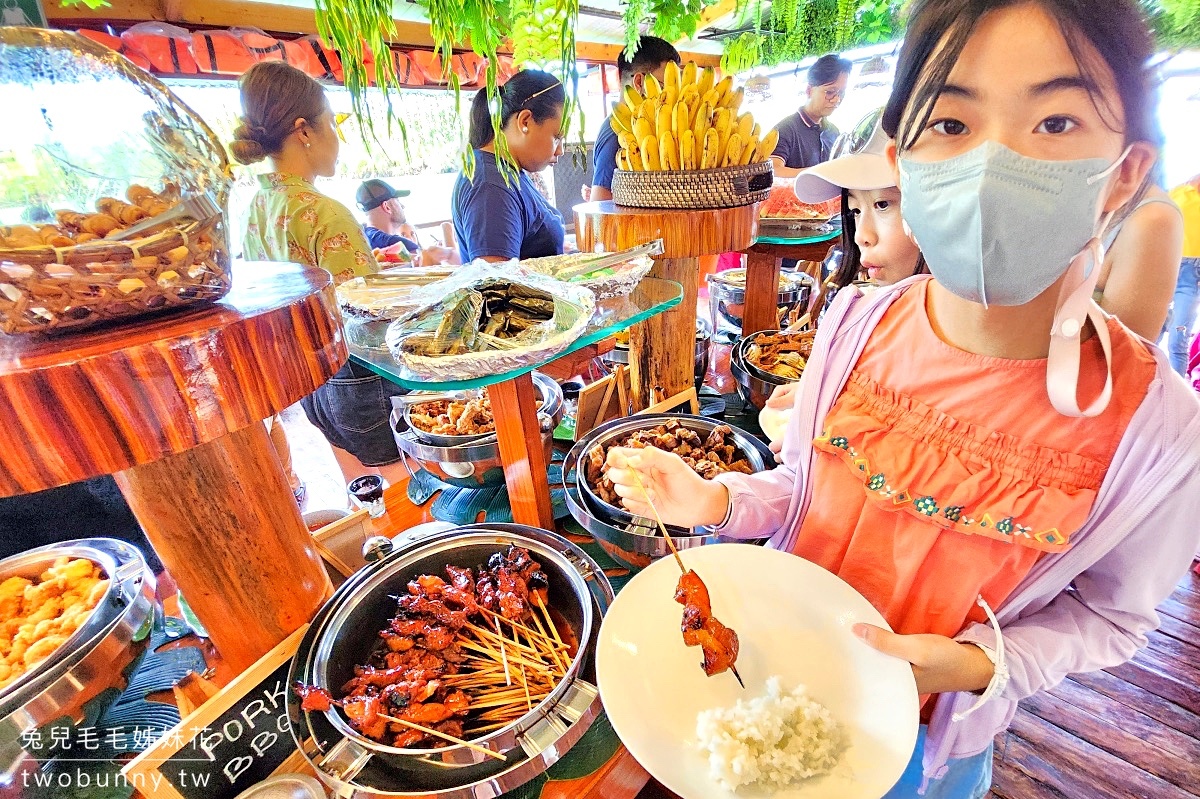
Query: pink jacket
[(1085, 609)]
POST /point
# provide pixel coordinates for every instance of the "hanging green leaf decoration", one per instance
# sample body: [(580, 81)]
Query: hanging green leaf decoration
[(92, 4), (360, 30)]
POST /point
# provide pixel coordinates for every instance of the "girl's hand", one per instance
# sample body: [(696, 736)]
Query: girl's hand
[(940, 664), (682, 497), (783, 397)]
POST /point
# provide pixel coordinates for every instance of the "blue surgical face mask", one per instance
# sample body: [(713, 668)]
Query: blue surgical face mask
[(997, 227)]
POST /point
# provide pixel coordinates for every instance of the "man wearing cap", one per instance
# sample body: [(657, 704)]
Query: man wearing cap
[(807, 136), (385, 215)]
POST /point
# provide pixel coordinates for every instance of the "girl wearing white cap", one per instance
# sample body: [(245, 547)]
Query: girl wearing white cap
[(874, 241)]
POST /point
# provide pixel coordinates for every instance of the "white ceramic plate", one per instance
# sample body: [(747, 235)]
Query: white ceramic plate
[(793, 620)]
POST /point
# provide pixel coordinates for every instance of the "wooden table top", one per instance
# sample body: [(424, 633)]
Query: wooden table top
[(101, 401), (685, 233)]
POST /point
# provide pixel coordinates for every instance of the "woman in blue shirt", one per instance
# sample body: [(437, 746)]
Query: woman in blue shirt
[(499, 215)]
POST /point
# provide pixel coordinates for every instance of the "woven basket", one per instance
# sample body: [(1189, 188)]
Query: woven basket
[(48, 288), (724, 187)]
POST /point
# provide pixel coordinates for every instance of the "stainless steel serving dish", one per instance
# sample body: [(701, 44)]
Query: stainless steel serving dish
[(727, 296), (346, 629), (95, 660), (476, 465), (633, 540), (753, 384)]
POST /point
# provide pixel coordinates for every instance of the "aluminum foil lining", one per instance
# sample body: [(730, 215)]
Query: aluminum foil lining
[(441, 339)]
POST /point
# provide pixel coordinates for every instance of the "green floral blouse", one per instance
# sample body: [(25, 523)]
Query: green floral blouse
[(291, 221)]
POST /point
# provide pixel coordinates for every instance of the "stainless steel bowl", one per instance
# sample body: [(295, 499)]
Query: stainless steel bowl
[(636, 545), (727, 296), (477, 465), (753, 384), (346, 629), (98, 663), (634, 540)]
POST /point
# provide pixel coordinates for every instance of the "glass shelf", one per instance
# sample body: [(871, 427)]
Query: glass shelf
[(652, 296), (816, 238)]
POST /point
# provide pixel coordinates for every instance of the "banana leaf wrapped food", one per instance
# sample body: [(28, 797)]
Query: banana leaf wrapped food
[(488, 319)]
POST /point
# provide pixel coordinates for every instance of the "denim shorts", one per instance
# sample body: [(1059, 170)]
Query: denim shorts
[(352, 411), (968, 778)]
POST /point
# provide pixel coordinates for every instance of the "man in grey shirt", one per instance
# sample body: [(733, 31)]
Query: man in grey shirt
[(806, 137)]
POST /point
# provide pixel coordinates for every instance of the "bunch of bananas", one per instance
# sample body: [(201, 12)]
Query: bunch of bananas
[(688, 122)]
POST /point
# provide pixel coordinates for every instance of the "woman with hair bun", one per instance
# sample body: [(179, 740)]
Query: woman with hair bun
[(286, 119), (498, 213)]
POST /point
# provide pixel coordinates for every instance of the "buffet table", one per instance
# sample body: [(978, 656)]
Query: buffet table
[(513, 395), (763, 263), (173, 405)]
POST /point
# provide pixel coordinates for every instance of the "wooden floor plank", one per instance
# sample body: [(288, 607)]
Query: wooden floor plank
[(1184, 611), (1134, 737), (1177, 670), (1161, 710), (1048, 763), (1090, 768), (1180, 630), (1182, 652), (1010, 782), (1160, 684)]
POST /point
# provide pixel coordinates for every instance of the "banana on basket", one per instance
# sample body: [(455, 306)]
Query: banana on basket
[(688, 121)]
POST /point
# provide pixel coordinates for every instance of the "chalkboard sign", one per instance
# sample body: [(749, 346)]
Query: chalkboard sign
[(236, 739)]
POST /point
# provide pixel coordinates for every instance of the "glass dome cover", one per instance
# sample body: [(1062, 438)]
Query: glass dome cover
[(92, 146)]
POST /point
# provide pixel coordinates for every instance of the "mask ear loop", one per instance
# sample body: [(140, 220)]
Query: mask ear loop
[(1062, 366), (1076, 306)]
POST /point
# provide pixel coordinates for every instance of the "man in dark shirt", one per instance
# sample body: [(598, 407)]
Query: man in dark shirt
[(385, 215), (652, 56), (807, 136)]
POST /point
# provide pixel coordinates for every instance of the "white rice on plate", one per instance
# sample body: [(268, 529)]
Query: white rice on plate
[(772, 740)]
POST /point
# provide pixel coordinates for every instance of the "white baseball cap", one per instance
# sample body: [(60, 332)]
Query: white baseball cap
[(858, 161)]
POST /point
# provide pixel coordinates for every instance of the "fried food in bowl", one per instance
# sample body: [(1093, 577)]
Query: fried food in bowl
[(38, 616)]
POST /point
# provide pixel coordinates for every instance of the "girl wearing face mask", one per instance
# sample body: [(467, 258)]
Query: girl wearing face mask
[(286, 118), (498, 213), (999, 467)]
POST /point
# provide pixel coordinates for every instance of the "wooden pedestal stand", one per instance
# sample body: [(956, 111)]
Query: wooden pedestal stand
[(174, 406), (662, 349), (763, 263)]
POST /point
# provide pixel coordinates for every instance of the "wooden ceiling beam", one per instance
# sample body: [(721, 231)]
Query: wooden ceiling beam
[(717, 11), (275, 19)]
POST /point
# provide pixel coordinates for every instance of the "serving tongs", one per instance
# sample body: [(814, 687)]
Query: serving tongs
[(444, 396), (605, 260), (201, 207), (401, 278)]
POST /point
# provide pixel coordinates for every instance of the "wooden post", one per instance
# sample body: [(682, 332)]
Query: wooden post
[(761, 311), (662, 349), (224, 522), (519, 436)]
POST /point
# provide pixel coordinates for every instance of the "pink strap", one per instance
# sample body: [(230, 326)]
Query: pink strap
[(1075, 307)]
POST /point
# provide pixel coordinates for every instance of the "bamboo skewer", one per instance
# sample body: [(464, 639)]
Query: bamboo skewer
[(520, 626), (525, 685), (670, 543), (504, 657), (443, 736)]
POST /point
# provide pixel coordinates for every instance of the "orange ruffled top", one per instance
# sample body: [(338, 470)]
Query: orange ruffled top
[(942, 475)]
